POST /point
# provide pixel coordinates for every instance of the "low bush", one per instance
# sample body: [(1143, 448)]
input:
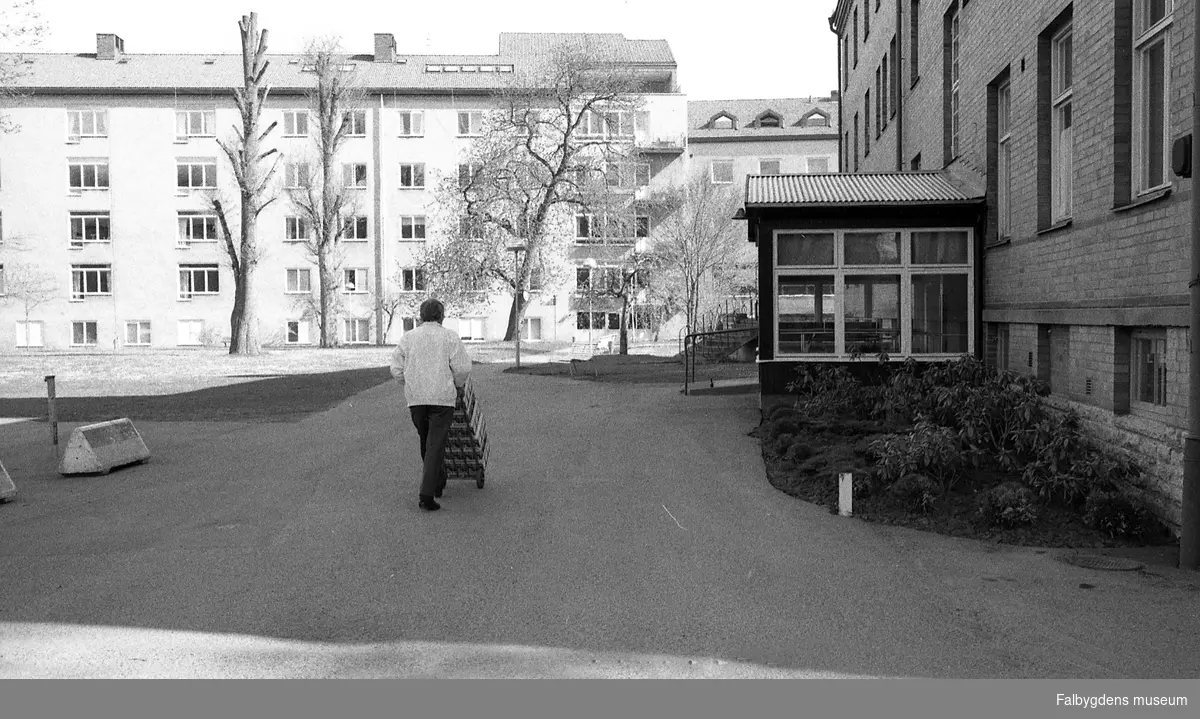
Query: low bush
[(798, 452), (780, 444), (781, 411), (927, 450), (1007, 505), (918, 491), (780, 427), (1117, 515)]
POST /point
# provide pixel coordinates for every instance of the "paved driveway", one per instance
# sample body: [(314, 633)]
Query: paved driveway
[(625, 530)]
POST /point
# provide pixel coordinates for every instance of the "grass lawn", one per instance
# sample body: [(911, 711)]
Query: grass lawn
[(200, 384)]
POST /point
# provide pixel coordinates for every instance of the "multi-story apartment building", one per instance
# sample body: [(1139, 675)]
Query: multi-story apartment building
[(1084, 255), (105, 191), (730, 139)]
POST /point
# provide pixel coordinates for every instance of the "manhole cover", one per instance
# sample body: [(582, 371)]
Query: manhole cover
[(1111, 564)]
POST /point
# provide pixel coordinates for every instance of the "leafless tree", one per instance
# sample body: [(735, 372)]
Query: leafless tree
[(524, 176), (253, 174), (628, 282), (21, 29), (695, 236), (24, 284), (326, 198)]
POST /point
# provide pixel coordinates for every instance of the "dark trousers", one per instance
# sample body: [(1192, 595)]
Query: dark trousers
[(433, 427)]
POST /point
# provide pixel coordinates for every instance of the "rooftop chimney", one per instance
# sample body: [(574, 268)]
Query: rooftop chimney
[(109, 46), (833, 94), (385, 47)]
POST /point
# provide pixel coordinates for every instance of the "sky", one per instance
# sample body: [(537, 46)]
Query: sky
[(765, 49)]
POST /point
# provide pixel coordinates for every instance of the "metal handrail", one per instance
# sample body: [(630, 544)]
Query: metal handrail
[(689, 357)]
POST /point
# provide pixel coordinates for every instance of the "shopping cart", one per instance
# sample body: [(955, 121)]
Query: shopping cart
[(467, 446)]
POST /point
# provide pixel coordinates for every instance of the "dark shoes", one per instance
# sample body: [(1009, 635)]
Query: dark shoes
[(438, 492), (428, 504)]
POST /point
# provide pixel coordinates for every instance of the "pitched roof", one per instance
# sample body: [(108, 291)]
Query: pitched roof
[(838, 189), (148, 72), (790, 110)]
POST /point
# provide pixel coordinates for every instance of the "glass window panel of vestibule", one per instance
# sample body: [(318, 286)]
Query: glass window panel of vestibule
[(856, 291)]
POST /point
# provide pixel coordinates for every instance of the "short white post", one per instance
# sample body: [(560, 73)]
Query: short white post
[(845, 493)]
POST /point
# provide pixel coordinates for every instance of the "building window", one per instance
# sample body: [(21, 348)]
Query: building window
[(467, 172), (299, 281), (867, 123), (997, 346), (641, 174), (89, 227), (412, 123), (768, 167), (354, 175), (195, 123), (724, 122), (855, 27), (200, 174), (952, 120), (769, 119), (915, 164), (914, 42), (884, 91), (83, 333), (470, 123), (1151, 93), (412, 279), (295, 175), (412, 227), (297, 332), (1004, 160), (1061, 126), (90, 281), (2, 292), (189, 332), (879, 111), (1149, 363), (902, 292), (856, 142), (30, 334), (137, 332), (641, 226), (355, 122), (87, 176), (817, 164), (86, 123), (354, 229), (721, 172), (197, 228), (412, 175), (471, 329), (295, 123), (198, 280), (893, 78), (357, 331), (295, 229), (531, 328), (354, 281), (584, 227)]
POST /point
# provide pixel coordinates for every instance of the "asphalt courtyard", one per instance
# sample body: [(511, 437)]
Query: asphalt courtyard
[(624, 531)]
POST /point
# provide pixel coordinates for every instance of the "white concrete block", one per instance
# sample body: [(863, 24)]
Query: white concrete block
[(845, 494), (98, 448)]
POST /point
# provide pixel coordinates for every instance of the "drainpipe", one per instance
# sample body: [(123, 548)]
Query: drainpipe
[(1189, 534), (841, 93), (895, 79), (380, 280)]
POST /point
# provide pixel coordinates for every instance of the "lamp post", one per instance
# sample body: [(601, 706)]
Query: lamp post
[(516, 250), (591, 264)]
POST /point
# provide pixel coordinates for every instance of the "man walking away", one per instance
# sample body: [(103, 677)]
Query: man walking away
[(433, 365)]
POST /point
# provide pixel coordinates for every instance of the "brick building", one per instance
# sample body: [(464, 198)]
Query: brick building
[(1084, 260)]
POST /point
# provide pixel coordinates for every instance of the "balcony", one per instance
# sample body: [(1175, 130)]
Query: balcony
[(665, 144)]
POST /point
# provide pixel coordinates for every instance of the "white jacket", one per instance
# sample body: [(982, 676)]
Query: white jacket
[(431, 361)]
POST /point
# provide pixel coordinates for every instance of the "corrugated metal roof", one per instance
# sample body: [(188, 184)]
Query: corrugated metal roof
[(524, 51), (884, 188)]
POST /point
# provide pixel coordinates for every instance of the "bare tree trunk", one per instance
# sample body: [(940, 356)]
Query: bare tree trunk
[(625, 324), (514, 316), (323, 291)]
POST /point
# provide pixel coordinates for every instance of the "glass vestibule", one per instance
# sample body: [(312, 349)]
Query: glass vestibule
[(902, 292)]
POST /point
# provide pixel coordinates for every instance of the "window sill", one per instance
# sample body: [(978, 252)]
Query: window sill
[(1146, 199), (1061, 224), (1002, 242), (915, 81)]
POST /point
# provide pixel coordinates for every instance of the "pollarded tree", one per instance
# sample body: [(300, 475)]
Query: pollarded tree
[(253, 169), (326, 197), (523, 177)]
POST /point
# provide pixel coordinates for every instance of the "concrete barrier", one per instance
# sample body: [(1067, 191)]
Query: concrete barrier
[(8, 490), (98, 448)]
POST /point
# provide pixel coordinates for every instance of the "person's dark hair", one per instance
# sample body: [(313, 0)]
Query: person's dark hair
[(432, 311)]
